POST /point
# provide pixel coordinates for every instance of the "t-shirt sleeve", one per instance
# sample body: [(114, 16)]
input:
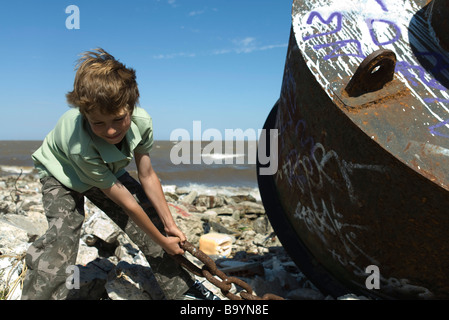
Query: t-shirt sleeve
[(145, 125), (93, 172)]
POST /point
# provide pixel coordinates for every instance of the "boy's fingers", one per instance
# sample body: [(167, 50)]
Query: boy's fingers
[(181, 243), (181, 251), (183, 239)]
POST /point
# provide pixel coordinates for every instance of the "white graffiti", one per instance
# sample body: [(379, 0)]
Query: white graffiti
[(309, 172), (390, 284), (322, 222), (338, 36)]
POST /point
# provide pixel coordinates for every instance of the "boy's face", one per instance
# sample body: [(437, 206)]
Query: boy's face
[(111, 128)]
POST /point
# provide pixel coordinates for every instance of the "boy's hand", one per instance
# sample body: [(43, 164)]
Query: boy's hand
[(171, 246), (176, 232)]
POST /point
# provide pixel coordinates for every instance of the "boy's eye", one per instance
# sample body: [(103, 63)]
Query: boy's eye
[(120, 119)]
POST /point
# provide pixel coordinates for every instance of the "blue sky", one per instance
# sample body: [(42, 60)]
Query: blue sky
[(216, 61)]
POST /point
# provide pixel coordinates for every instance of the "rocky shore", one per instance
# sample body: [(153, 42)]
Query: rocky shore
[(112, 267)]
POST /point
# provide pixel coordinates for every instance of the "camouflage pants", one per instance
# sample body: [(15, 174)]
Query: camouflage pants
[(49, 256)]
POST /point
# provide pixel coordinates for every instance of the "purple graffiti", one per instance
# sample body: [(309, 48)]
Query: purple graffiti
[(314, 14), (340, 44), (431, 100), (382, 5), (433, 130), (404, 67), (374, 37), (415, 74), (338, 18)]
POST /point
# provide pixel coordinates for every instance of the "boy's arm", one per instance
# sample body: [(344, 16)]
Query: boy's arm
[(153, 189), (122, 197)]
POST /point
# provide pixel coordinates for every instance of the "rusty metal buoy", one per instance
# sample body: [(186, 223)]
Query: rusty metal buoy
[(363, 147)]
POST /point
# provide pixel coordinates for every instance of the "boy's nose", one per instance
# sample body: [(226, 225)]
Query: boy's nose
[(111, 131)]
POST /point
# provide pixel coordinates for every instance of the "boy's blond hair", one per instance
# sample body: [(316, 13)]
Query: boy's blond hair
[(103, 83)]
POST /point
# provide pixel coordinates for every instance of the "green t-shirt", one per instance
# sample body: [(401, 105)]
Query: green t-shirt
[(80, 160)]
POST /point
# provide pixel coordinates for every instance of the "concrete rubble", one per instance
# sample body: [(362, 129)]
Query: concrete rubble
[(112, 267)]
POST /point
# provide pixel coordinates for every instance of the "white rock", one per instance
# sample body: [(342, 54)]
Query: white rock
[(182, 190), (35, 224), (189, 198), (251, 207), (86, 253), (102, 227), (11, 237), (209, 215)]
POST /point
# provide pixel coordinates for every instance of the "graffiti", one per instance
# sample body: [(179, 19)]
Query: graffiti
[(323, 221), (337, 18), (333, 15), (382, 5), (330, 208), (354, 30), (339, 45), (386, 284), (314, 171), (433, 129), (404, 286), (397, 33), (311, 169), (311, 172), (415, 72)]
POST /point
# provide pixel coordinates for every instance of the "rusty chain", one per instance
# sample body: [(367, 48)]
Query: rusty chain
[(210, 271)]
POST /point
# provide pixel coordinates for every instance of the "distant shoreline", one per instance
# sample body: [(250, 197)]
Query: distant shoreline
[(240, 173)]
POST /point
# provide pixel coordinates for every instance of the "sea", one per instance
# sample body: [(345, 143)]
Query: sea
[(225, 167)]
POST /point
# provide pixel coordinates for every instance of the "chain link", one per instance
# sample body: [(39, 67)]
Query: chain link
[(210, 271)]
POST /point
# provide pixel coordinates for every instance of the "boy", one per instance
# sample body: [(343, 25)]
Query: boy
[(85, 156)]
